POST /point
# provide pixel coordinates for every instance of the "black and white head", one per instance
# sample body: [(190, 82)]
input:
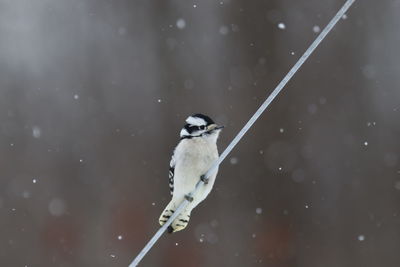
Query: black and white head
[(199, 125)]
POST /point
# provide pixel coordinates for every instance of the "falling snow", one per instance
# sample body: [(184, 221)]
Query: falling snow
[(181, 24), (57, 207), (281, 26), (36, 132), (316, 29), (233, 160), (223, 30)]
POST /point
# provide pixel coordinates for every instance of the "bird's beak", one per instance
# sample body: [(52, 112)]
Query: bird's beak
[(214, 127)]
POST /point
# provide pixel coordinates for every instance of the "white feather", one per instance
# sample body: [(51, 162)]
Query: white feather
[(184, 132), (196, 121)]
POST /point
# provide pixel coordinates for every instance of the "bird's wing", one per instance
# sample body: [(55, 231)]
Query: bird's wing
[(171, 174)]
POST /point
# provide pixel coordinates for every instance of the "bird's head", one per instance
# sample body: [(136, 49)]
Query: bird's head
[(199, 125)]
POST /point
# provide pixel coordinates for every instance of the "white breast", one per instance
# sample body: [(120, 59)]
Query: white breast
[(193, 158)]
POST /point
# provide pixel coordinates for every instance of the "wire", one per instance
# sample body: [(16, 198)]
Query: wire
[(247, 126)]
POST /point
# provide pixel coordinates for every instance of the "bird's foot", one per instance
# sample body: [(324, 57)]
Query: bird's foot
[(189, 197), (170, 229), (204, 179)]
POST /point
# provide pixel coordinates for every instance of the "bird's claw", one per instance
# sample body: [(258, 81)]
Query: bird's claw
[(189, 198), (204, 179)]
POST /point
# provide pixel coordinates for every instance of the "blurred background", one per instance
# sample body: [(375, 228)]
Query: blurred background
[(93, 94)]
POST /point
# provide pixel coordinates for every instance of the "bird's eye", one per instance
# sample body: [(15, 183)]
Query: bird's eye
[(202, 127)]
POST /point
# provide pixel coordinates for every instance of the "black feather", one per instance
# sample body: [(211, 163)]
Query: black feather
[(204, 117), (171, 175)]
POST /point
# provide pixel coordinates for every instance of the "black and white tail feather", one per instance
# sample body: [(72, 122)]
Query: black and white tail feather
[(171, 175), (192, 157)]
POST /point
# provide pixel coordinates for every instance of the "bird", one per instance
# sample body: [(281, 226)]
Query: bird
[(192, 158)]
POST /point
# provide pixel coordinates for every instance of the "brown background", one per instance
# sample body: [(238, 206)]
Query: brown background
[(93, 95)]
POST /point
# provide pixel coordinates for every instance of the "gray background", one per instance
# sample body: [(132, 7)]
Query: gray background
[(93, 95)]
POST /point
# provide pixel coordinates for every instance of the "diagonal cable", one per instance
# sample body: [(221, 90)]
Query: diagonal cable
[(247, 126)]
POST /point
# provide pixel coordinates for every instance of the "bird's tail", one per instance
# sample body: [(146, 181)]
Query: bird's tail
[(179, 223), (168, 211)]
